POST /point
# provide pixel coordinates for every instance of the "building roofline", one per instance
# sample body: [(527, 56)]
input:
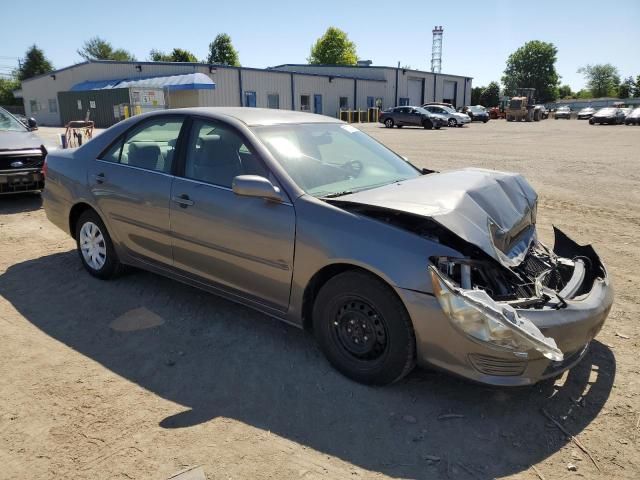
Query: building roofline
[(364, 68), (200, 64)]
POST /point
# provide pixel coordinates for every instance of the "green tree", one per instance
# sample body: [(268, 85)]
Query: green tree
[(177, 55), (636, 89), (34, 63), (602, 79), (7, 86), (533, 66), (565, 92), (221, 51), (490, 96), (476, 93), (627, 88), (333, 48), (97, 48), (584, 93)]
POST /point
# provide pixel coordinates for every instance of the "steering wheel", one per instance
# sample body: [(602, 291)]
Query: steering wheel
[(354, 167)]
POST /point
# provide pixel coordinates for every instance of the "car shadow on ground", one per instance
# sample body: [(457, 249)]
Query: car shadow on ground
[(216, 358), (19, 203)]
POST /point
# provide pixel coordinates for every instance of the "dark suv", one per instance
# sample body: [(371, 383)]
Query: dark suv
[(411, 116)]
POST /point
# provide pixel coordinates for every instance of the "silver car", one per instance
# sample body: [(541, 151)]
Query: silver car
[(454, 119), (311, 221)]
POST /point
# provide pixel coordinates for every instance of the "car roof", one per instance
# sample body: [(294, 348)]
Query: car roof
[(256, 116)]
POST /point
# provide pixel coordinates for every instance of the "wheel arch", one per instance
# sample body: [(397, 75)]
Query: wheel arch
[(321, 277), (74, 214)]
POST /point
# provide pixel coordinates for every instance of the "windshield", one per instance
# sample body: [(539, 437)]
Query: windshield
[(476, 109), (448, 109), (330, 159), (8, 123), (635, 113), (422, 110), (607, 111)]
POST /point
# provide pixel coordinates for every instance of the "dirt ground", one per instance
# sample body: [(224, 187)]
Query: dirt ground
[(143, 377)]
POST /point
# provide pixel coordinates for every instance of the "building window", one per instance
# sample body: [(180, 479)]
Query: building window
[(53, 105), (344, 103), (370, 102), (33, 106), (249, 99), (79, 104), (273, 100), (404, 101), (305, 103)]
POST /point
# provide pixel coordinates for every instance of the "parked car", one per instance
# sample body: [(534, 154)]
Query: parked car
[(586, 113), (563, 112), (608, 115), (22, 155), (626, 111), (393, 265), (440, 104), (411, 116), (633, 118), (477, 113), (544, 113), (454, 119)]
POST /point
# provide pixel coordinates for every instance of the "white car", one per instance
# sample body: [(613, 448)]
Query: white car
[(454, 119)]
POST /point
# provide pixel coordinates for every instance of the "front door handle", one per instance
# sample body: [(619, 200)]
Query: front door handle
[(99, 177), (183, 200)]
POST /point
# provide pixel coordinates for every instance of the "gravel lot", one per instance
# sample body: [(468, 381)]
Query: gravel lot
[(143, 377)]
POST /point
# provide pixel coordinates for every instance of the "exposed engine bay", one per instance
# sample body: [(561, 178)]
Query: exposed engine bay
[(544, 277)]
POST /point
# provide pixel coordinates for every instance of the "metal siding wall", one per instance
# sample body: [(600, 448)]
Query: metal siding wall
[(105, 100), (361, 72), (330, 91), (264, 83), (372, 89), (182, 98), (226, 93)]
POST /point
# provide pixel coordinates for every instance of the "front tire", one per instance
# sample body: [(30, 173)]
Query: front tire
[(388, 123), (363, 329), (427, 125), (95, 247), (452, 122)]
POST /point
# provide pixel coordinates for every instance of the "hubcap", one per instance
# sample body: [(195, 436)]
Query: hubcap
[(360, 330), (92, 246), (452, 122), (389, 123)]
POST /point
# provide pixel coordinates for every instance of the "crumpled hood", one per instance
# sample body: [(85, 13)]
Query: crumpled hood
[(493, 210), (19, 140)]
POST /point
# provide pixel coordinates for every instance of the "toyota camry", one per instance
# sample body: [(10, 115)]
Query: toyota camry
[(311, 221)]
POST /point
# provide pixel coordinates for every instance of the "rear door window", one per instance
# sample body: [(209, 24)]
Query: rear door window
[(150, 145)]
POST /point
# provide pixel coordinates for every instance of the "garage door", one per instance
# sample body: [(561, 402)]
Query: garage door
[(415, 91), (449, 93)]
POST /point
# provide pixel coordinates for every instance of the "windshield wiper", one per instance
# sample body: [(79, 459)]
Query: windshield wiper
[(337, 194)]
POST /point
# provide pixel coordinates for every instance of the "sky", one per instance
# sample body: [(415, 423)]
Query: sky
[(478, 36)]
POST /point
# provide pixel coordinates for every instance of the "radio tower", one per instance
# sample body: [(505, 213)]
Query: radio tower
[(436, 50)]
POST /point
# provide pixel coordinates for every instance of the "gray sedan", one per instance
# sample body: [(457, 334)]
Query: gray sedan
[(311, 221)]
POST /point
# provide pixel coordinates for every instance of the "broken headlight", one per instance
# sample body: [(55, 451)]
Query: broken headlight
[(476, 314)]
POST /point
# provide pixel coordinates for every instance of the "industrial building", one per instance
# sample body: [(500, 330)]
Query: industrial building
[(107, 91)]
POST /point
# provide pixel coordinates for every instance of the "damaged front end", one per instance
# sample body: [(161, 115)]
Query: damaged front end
[(538, 305)]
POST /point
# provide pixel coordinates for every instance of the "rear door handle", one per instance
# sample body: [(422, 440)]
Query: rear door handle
[(183, 200), (99, 177)]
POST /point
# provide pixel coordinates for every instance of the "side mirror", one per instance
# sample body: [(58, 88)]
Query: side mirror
[(32, 124), (255, 186)]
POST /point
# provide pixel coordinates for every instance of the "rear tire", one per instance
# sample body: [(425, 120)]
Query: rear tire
[(95, 247), (363, 329)]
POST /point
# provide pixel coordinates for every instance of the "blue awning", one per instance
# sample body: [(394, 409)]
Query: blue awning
[(187, 81)]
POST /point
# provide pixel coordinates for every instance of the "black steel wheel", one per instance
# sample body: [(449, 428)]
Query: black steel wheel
[(364, 329)]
